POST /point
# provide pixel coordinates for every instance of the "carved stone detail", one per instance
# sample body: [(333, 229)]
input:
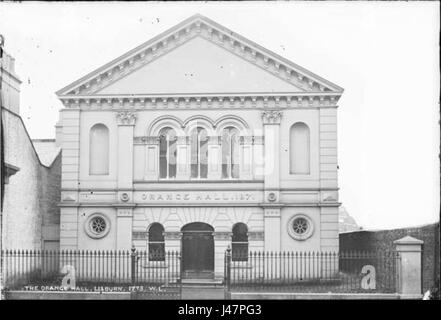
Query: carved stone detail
[(223, 235), (170, 235), (256, 236), (139, 235), (272, 116), (214, 140), (246, 140), (126, 118), (258, 139)]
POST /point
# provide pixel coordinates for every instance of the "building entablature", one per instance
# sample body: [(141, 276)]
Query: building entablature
[(201, 101)]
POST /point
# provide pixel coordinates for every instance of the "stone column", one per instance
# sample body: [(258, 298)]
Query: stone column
[(221, 242), (246, 157), (182, 154), (151, 158), (214, 158), (271, 128), (409, 265), (126, 122)]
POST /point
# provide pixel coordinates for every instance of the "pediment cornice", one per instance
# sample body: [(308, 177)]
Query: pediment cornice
[(198, 26)]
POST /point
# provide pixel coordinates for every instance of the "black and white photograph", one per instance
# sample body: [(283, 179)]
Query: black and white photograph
[(243, 150)]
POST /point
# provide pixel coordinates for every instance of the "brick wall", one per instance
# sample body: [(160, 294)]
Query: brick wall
[(383, 240)]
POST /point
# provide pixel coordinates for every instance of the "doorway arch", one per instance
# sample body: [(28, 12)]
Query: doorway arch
[(197, 251)]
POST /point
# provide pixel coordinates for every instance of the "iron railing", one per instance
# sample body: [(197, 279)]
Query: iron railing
[(89, 269), (313, 272)]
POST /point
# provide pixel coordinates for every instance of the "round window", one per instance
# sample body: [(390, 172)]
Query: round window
[(300, 227), (97, 226)]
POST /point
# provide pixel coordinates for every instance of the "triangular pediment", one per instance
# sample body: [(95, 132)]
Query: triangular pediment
[(199, 56), (198, 66)]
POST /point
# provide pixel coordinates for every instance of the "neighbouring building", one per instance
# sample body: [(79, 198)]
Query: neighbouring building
[(346, 223), (197, 140), (31, 175)]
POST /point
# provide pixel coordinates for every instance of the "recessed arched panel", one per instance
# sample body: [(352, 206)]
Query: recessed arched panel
[(99, 150), (299, 149)]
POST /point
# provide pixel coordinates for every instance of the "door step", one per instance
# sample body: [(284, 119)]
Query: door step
[(197, 283)]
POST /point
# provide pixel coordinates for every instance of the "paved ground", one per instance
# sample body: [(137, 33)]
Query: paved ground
[(203, 293)]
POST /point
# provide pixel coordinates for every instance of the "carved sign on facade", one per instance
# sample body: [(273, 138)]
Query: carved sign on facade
[(197, 197)]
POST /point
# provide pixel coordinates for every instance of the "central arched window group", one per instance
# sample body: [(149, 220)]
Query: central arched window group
[(199, 153)]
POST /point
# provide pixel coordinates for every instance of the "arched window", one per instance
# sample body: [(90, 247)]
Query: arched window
[(156, 242), (99, 150), (230, 153), (167, 153), (239, 244), (299, 149), (199, 153)]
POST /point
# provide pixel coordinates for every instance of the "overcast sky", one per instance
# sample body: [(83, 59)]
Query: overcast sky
[(384, 54)]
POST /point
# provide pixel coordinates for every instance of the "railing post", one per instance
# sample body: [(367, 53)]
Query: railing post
[(134, 259), (409, 265), (227, 273)]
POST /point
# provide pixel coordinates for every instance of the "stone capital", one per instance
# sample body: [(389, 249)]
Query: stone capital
[(126, 118), (271, 116), (214, 140)]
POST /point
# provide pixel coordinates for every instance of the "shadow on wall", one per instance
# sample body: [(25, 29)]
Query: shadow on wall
[(383, 240)]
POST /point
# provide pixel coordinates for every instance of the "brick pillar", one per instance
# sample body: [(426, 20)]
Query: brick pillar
[(409, 265)]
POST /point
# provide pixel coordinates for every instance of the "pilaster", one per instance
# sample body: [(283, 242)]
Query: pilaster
[(126, 122), (271, 124)]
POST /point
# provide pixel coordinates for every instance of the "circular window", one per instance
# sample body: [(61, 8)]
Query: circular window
[(97, 226), (300, 227)]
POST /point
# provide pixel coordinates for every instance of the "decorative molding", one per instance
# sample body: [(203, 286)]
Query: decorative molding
[(172, 235), (146, 140), (140, 235), (124, 212), (202, 101), (272, 116), (214, 140), (273, 212), (218, 235), (199, 26), (126, 118), (256, 236), (258, 139), (246, 140), (183, 140)]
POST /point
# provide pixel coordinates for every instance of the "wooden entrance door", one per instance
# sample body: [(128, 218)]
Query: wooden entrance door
[(198, 251)]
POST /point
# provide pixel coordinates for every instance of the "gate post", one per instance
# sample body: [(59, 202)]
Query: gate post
[(227, 272), (133, 259), (409, 266)]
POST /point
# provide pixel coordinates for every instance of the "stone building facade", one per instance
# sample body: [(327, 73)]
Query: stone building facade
[(197, 140)]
